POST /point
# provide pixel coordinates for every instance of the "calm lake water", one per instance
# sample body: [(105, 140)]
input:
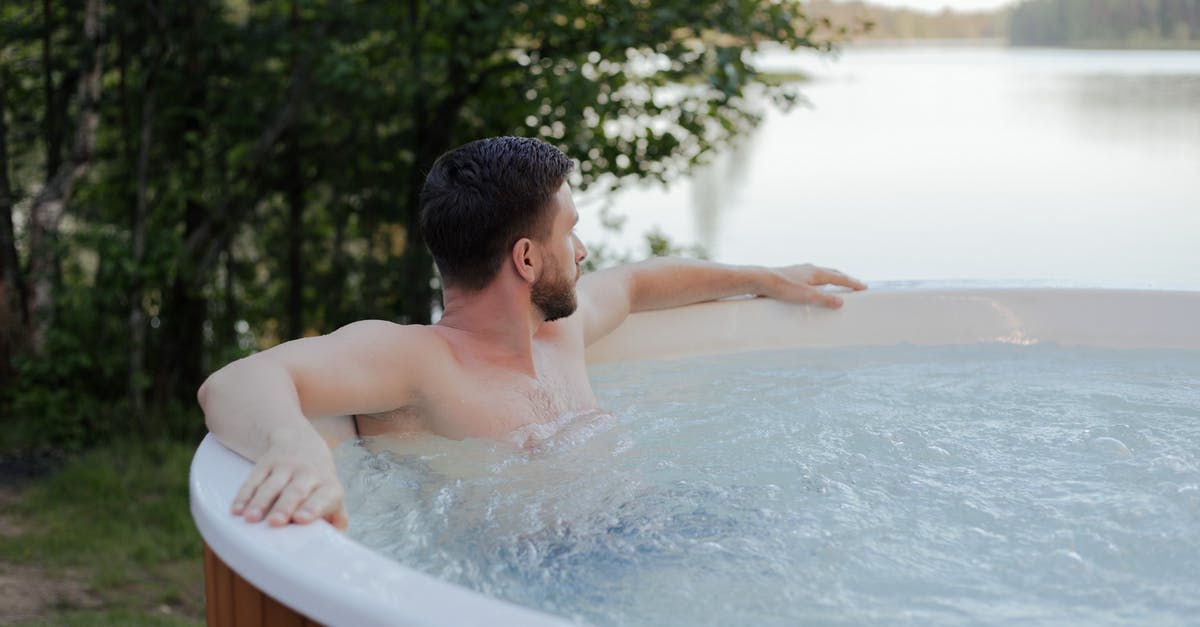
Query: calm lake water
[(956, 163)]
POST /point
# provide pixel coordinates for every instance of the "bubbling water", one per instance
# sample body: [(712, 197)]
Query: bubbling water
[(997, 484)]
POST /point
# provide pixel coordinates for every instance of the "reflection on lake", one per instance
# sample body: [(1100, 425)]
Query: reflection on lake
[(958, 163)]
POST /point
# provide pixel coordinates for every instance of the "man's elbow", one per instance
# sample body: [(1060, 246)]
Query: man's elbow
[(211, 390), (212, 384), (204, 396), (202, 393)]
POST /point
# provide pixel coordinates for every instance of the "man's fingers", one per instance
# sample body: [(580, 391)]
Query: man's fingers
[(339, 519), (297, 489), (828, 276), (815, 295), (850, 282), (287, 486), (829, 300), (324, 502), (266, 493), (248, 487)]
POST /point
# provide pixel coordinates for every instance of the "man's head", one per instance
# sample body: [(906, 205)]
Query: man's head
[(553, 291), (482, 198)]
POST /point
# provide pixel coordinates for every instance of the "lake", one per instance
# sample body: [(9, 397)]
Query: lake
[(959, 163)]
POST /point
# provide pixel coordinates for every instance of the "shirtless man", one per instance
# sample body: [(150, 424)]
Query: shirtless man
[(507, 352)]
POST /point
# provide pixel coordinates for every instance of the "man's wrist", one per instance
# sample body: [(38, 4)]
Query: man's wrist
[(765, 281), (302, 437)]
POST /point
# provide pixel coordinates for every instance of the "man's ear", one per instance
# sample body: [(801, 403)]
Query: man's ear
[(526, 260)]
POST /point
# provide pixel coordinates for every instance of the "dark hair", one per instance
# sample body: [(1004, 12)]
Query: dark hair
[(480, 198)]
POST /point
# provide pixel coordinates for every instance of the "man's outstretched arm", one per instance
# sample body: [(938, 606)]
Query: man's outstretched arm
[(260, 407), (608, 296)]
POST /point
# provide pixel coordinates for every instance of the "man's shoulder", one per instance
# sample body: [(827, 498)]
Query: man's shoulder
[(389, 346), (386, 331)]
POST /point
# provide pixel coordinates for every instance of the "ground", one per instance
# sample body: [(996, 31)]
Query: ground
[(28, 591), (69, 553)]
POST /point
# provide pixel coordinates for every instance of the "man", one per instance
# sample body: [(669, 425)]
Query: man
[(507, 352)]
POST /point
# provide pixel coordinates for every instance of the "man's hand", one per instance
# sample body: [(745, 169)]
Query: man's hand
[(608, 296), (799, 284), (293, 481)]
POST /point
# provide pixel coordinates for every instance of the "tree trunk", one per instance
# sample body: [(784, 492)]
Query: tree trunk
[(12, 302), (205, 244), (51, 124), (137, 315), (335, 293), (209, 231), (295, 242), (185, 310), (294, 319), (417, 303), (418, 264), (226, 333), (48, 206)]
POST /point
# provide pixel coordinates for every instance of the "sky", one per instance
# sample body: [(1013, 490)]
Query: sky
[(938, 5)]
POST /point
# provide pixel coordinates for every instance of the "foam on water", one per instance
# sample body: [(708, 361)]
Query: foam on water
[(996, 484)]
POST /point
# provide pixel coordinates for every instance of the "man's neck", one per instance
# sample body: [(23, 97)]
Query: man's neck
[(498, 321)]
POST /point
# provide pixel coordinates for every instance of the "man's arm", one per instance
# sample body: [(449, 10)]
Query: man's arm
[(260, 407), (608, 296)]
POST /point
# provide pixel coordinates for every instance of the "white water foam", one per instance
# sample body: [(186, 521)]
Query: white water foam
[(912, 485)]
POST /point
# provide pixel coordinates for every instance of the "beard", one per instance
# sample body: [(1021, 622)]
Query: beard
[(554, 295)]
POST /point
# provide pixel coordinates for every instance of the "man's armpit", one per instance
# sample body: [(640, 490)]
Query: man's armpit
[(334, 429)]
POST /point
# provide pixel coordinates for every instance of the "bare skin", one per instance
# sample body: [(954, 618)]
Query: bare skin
[(492, 364)]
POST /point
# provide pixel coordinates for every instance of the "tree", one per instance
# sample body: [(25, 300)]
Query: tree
[(632, 89), (63, 171), (13, 316), (1106, 23), (251, 170)]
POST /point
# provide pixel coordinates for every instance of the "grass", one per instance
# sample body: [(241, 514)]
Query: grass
[(107, 618), (116, 519)]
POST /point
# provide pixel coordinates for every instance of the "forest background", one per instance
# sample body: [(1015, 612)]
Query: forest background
[(183, 183)]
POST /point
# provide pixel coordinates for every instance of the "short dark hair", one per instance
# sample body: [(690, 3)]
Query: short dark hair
[(480, 198)]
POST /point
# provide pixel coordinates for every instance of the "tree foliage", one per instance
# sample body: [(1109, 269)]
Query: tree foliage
[(254, 165)]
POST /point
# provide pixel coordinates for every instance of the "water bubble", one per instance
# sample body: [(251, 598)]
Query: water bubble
[(937, 452), (984, 533), (1064, 537), (1173, 463), (1111, 447), (1190, 495), (1069, 558)]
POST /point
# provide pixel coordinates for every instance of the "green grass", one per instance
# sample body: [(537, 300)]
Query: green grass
[(117, 517), (109, 618)]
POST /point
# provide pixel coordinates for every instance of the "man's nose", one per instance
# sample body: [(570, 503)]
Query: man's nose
[(581, 250)]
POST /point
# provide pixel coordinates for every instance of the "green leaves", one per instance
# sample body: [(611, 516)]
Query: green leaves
[(304, 127)]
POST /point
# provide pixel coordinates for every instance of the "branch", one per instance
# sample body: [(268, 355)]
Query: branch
[(58, 188), (207, 241)]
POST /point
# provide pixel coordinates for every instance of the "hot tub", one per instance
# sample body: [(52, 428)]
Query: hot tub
[(260, 575)]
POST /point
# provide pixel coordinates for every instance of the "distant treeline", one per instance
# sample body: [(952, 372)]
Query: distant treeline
[(1080, 23), (891, 24), (1106, 23)]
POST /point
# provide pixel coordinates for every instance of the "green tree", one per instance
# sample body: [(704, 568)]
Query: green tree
[(247, 172)]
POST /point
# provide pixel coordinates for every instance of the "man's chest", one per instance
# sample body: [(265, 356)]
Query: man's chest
[(495, 404), (470, 402)]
